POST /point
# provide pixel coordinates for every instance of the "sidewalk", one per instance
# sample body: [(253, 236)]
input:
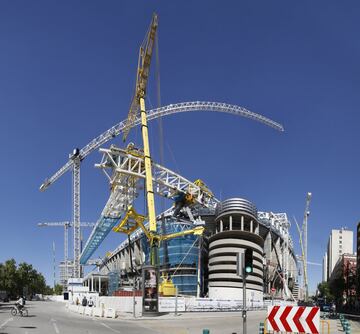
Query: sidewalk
[(188, 315), (355, 327)]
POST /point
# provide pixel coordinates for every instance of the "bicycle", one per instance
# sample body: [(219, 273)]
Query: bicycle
[(23, 311)]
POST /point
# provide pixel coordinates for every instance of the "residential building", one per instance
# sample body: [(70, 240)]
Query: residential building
[(62, 269), (343, 278), (340, 242)]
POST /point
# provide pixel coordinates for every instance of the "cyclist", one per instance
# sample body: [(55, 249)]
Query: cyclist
[(19, 304)]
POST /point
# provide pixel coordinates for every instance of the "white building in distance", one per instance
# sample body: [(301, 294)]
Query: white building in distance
[(62, 269), (325, 268), (340, 242)]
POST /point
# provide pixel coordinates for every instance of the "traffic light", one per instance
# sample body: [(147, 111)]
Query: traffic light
[(248, 261)]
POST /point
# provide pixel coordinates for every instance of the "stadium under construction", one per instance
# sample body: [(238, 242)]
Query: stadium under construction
[(194, 244), (205, 265)]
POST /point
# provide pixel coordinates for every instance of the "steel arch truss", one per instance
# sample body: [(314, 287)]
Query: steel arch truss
[(160, 112)]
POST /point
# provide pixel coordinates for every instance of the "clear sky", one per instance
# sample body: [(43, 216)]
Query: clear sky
[(67, 71)]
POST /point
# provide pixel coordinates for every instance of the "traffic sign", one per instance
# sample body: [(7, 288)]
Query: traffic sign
[(298, 319)]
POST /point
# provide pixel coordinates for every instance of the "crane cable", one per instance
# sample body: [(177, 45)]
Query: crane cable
[(183, 259)]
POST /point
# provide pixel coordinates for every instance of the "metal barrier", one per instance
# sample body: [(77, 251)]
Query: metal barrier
[(323, 322), (262, 327), (345, 324), (265, 330)]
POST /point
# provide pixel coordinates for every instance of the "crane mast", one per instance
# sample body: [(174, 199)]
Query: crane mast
[(305, 242), (142, 76), (66, 225)]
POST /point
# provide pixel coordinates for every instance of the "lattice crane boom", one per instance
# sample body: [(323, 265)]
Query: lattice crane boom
[(68, 223), (142, 74)]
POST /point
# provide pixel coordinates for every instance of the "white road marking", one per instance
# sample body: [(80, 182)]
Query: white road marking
[(112, 329), (55, 326), (4, 323)]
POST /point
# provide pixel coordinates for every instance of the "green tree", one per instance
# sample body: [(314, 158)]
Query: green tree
[(58, 289), (10, 278), (22, 279), (337, 287), (325, 292)]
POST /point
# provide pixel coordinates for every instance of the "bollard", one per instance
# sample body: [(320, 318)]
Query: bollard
[(206, 331), (261, 328)]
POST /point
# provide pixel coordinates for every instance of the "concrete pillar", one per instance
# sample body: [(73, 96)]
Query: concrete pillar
[(99, 284), (92, 283), (251, 226), (230, 223), (242, 223), (221, 226)]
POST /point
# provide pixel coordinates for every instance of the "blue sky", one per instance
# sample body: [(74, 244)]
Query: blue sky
[(67, 73)]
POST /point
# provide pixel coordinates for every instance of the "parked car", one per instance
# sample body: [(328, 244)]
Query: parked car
[(325, 307)]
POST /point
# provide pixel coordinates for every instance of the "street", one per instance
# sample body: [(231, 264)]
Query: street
[(52, 317)]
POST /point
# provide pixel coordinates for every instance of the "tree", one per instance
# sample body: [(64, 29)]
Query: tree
[(10, 278), (337, 287), (58, 289), (21, 280), (325, 291)]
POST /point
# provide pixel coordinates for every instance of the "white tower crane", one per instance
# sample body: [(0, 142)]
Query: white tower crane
[(66, 225), (305, 233), (303, 236)]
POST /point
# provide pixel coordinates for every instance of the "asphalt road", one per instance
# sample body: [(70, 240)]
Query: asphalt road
[(54, 318)]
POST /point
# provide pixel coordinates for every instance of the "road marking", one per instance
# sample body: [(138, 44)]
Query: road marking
[(4, 323), (55, 326), (112, 329)]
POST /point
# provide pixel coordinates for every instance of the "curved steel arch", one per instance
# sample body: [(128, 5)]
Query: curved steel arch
[(156, 113)]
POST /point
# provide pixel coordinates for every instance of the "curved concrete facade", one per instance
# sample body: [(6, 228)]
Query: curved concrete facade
[(237, 228)]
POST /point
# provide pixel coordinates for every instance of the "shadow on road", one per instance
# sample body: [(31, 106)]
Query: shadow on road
[(27, 327)]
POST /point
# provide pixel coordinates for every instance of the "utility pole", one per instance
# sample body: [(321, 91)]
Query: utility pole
[(244, 315)]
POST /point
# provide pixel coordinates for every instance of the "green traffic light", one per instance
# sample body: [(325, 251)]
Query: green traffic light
[(248, 270)]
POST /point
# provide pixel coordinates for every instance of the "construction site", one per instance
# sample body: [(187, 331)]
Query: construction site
[(190, 247)]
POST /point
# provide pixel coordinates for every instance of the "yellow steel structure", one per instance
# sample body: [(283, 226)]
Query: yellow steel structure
[(204, 187), (138, 100), (134, 220), (130, 222), (167, 287)]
